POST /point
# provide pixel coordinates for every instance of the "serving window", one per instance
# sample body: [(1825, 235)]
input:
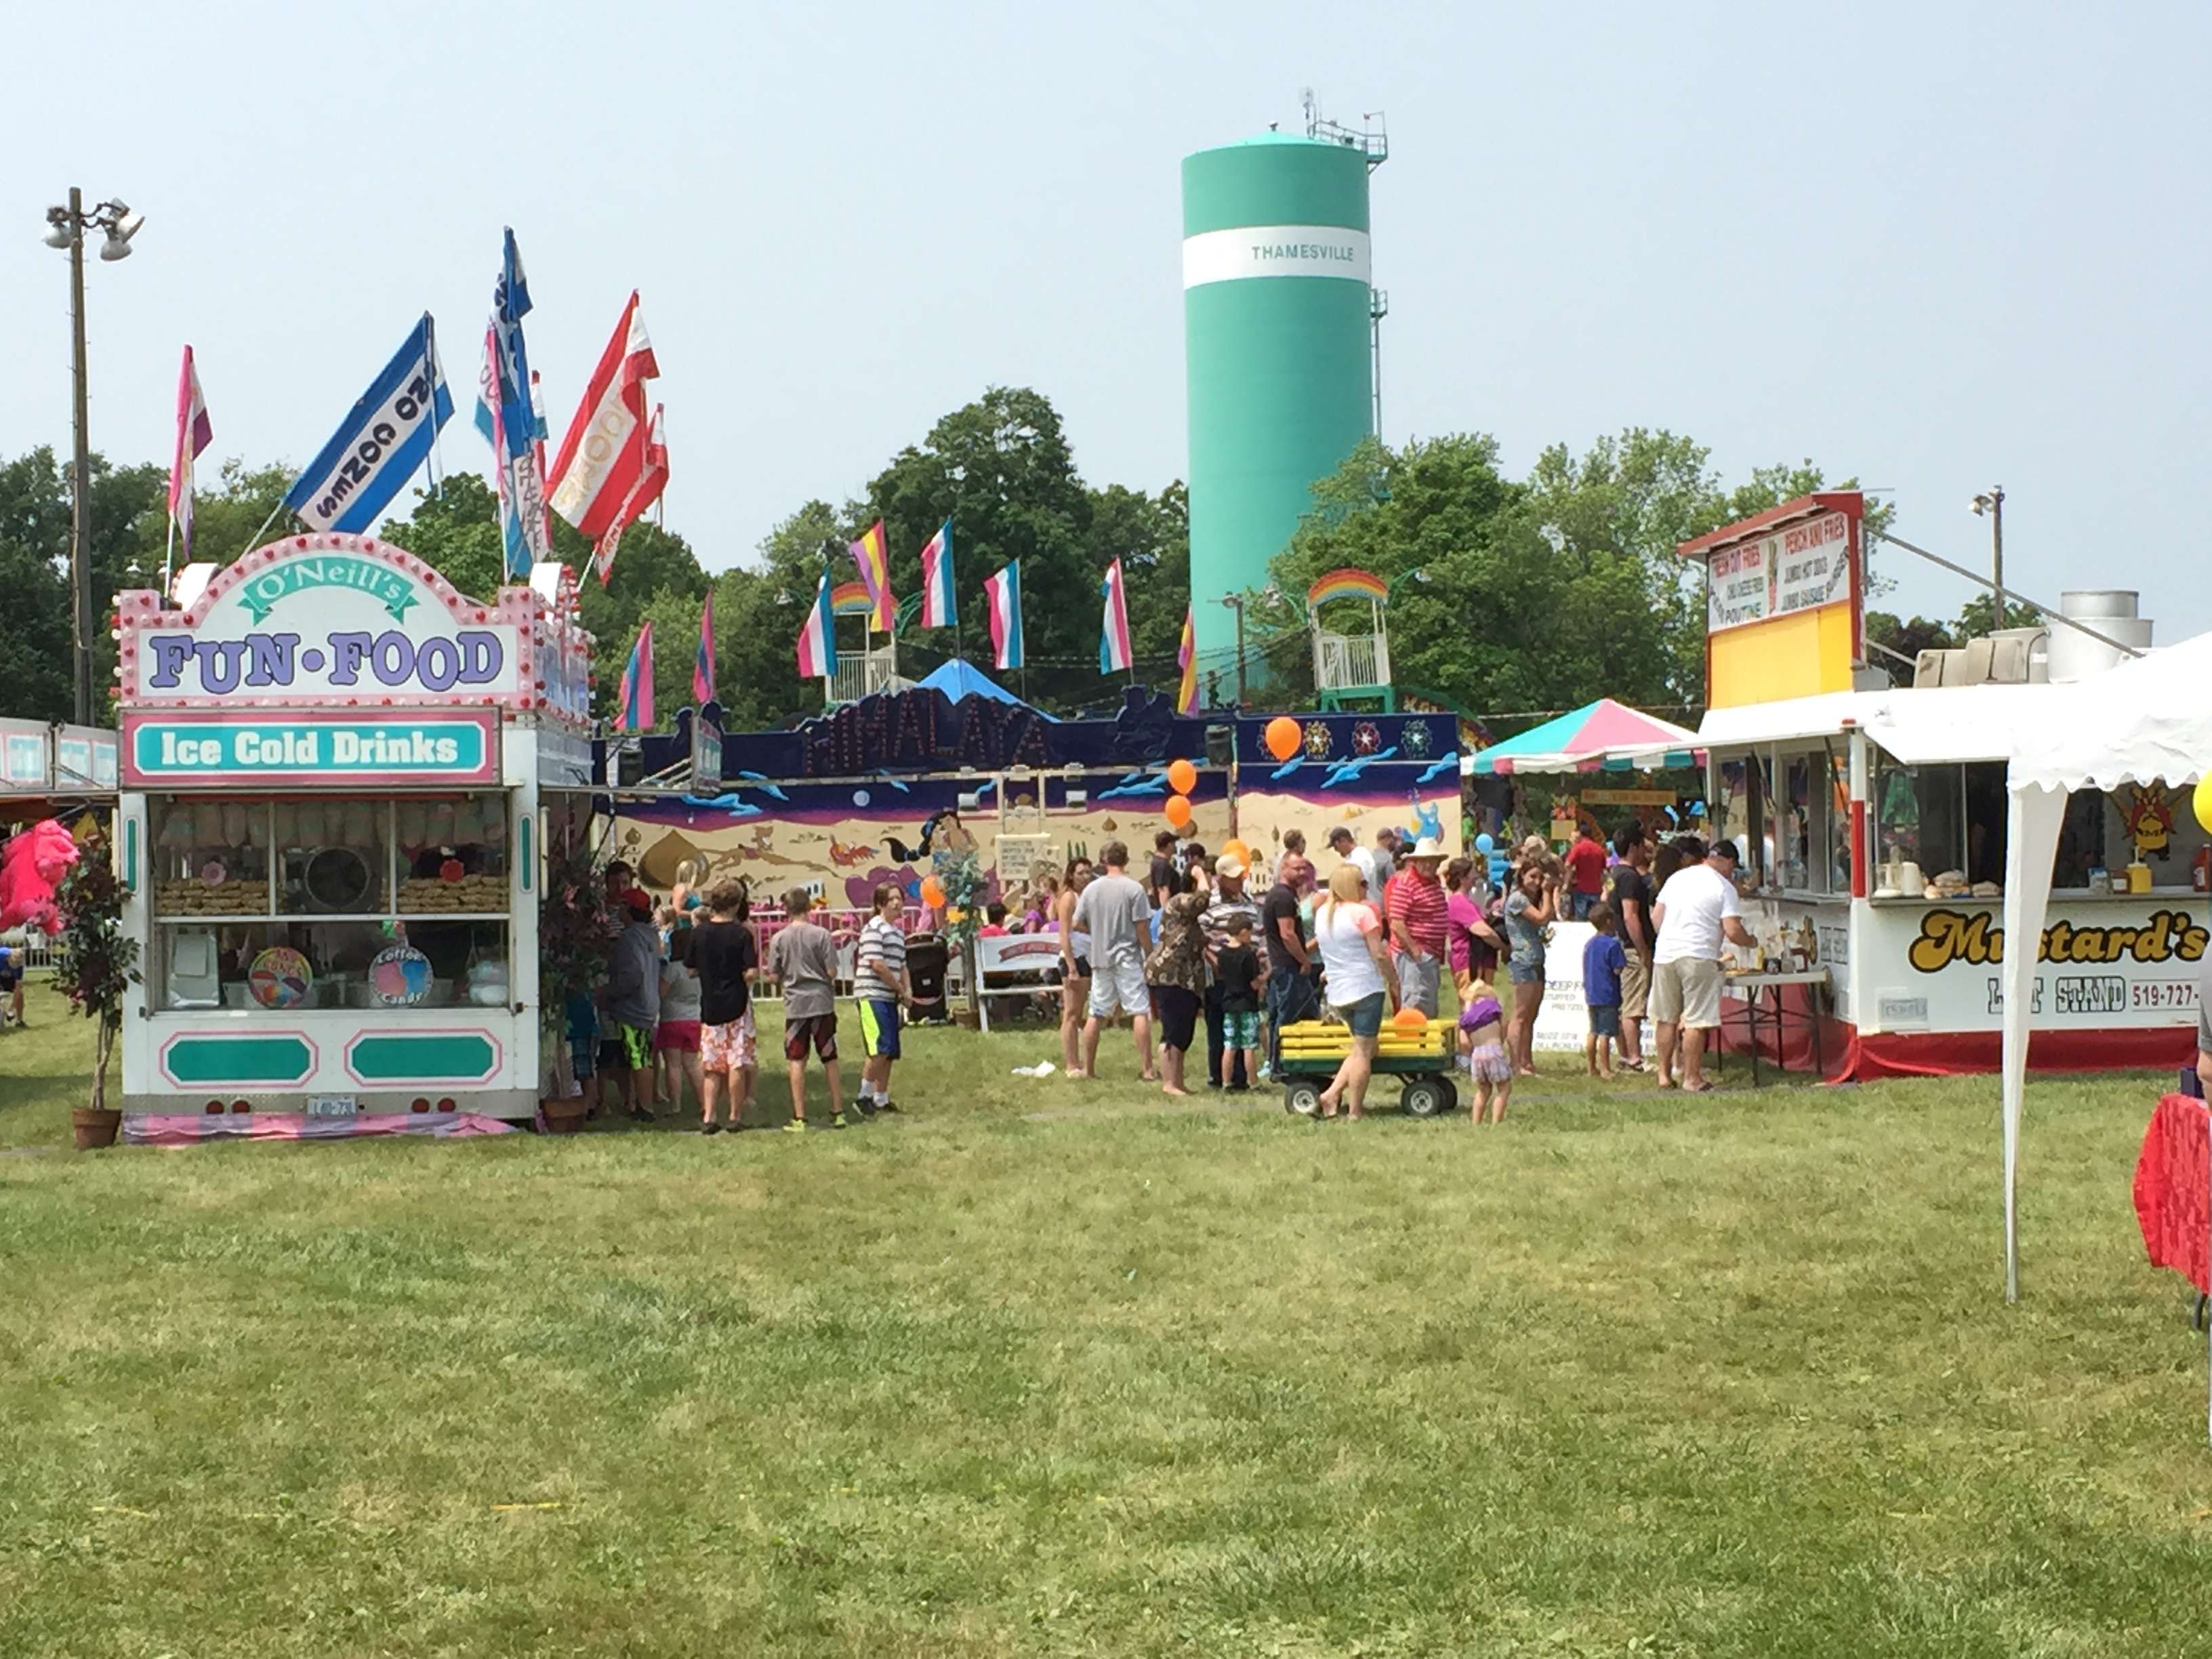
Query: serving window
[(329, 901), (1787, 809)]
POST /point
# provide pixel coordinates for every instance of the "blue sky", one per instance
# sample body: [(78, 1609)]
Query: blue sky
[(1935, 246)]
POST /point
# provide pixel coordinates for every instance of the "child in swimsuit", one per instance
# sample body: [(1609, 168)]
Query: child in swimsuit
[(1482, 1034)]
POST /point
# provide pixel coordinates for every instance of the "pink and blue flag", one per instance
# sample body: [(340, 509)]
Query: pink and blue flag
[(816, 660), (939, 605), (194, 434), (1113, 653), (1003, 593), (633, 702), (702, 666)]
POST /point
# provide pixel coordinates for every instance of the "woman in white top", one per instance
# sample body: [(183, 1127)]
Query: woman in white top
[(1358, 981)]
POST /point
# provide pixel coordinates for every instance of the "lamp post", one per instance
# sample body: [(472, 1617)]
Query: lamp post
[(65, 229), (1991, 504)]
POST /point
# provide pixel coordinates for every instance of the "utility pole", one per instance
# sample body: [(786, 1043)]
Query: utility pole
[(1235, 602), (1992, 504), (67, 226)]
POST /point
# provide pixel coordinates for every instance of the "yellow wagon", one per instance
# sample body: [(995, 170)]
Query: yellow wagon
[(1313, 1049)]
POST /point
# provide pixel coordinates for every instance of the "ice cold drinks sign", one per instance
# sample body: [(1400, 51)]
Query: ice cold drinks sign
[(1798, 568), (185, 750), (326, 628)]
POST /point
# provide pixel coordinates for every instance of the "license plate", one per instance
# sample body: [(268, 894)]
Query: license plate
[(332, 1105)]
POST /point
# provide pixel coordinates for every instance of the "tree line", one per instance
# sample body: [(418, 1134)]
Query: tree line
[(1515, 597)]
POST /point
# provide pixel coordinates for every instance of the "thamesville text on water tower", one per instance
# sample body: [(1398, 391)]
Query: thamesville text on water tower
[(1277, 320)]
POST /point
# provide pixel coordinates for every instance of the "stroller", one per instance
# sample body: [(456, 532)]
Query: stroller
[(927, 958)]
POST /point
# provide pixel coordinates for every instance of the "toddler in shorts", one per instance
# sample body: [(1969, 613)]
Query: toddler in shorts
[(1482, 1034)]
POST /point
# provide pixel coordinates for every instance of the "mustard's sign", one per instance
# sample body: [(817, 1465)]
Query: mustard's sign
[(1946, 937)]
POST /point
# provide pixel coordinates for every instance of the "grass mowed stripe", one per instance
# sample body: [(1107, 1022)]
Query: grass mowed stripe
[(1043, 1368)]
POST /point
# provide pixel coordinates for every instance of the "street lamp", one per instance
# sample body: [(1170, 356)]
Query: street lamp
[(1991, 504), (65, 229)]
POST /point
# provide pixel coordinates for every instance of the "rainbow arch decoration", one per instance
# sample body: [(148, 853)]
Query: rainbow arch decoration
[(1347, 584), (851, 600)]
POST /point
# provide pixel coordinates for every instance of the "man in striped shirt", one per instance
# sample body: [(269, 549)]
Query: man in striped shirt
[(879, 982), (1414, 906)]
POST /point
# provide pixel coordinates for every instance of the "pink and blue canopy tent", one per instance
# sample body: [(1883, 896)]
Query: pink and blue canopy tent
[(1604, 736)]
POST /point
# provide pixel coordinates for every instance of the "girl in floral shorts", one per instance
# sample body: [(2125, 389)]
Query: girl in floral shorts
[(724, 953)]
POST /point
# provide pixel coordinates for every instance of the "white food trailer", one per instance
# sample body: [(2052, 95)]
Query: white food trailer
[(340, 783), (1872, 826)]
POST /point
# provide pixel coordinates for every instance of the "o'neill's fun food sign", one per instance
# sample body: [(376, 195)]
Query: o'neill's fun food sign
[(335, 657), (1782, 600)]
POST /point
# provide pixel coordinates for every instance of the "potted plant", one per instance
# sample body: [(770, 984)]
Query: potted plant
[(576, 930), (96, 965)]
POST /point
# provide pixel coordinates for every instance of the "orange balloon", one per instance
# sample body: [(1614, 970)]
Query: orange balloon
[(1182, 776), (1178, 810), (1409, 1020), (1283, 737), (933, 891), (1237, 850)]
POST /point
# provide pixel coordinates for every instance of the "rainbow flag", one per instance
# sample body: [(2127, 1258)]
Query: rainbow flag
[(873, 554), (1113, 653), (1187, 659), (817, 655), (938, 606), (702, 666), (633, 702), (1003, 593)]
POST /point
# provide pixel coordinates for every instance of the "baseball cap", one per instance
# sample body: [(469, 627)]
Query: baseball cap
[(637, 898), (1231, 865)]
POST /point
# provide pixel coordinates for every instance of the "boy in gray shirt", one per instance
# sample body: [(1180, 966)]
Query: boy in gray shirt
[(803, 959)]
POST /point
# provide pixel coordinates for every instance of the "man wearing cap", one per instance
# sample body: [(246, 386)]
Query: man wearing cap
[(1414, 905), (631, 999), (1229, 901), (1696, 910)]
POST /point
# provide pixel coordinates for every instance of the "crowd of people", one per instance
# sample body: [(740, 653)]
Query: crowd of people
[(1199, 939)]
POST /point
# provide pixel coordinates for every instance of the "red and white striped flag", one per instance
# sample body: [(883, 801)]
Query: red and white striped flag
[(194, 434), (601, 455)]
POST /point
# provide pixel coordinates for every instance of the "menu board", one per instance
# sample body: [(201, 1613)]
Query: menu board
[(1798, 568)]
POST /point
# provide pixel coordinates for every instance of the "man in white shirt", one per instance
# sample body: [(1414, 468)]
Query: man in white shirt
[(1695, 911)]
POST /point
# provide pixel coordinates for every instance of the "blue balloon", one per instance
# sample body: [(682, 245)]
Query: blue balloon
[(1483, 843)]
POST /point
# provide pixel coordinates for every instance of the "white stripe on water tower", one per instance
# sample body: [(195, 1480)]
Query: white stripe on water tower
[(1226, 256)]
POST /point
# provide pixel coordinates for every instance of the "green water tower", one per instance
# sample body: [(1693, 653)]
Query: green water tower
[(1279, 320)]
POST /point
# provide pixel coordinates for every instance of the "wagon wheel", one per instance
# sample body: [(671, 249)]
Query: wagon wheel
[(1425, 1096), (1302, 1096)]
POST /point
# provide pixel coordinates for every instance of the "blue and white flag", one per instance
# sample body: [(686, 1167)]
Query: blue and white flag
[(515, 430), (380, 444)]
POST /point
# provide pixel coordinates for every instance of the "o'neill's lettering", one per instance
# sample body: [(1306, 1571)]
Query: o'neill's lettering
[(1949, 936)]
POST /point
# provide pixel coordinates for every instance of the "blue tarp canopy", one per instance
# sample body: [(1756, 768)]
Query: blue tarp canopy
[(957, 679)]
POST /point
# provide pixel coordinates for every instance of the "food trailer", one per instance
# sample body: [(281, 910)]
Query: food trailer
[(1871, 825), (341, 780)]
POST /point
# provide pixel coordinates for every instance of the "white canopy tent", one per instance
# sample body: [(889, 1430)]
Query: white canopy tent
[(2149, 720)]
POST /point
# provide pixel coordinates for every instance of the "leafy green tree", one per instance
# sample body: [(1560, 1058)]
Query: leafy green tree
[(1907, 639), (1977, 616)]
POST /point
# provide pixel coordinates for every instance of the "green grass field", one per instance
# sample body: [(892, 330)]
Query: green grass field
[(1043, 1368)]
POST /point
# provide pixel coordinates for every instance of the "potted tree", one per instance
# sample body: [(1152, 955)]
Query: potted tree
[(96, 965), (576, 929)]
